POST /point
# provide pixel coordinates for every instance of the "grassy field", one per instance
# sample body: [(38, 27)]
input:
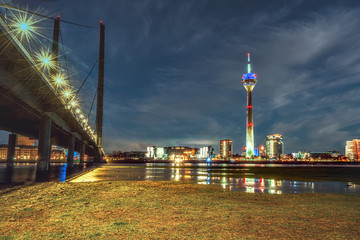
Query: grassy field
[(168, 210)]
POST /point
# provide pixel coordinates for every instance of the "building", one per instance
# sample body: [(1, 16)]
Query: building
[(25, 141), (243, 151), (180, 153), (134, 154), (205, 152), (160, 153), (301, 155), (274, 146), (58, 154), (262, 151), (352, 149), (249, 81), (150, 152), (226, 148), (330, 155), (314, 156), (21, 152), (25, 149)]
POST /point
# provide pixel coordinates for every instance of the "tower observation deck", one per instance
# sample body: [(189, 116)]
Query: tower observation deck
[(249, 82)]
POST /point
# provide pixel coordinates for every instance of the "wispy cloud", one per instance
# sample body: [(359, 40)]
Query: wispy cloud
[(174, 71)]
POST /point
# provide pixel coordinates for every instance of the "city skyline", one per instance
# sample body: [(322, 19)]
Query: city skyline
[(173, 74)]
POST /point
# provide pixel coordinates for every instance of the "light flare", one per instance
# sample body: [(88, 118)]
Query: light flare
[(67, 93), (45, 60), (59, 80), (24, 25), (73, 103)]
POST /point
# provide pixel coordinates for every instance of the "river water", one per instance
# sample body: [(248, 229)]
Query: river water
[(27, 173), (203, 174), (244, 180)]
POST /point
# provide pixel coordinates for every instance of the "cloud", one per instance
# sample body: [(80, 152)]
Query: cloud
[(173, 71)]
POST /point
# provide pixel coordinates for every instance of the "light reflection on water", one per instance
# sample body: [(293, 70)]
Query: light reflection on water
[(223, 179), (27, 172)]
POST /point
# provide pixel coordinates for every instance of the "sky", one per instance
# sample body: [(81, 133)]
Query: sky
[(173, 69)]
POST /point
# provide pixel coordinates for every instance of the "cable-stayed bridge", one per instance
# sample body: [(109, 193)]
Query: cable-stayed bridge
[(37, 97)]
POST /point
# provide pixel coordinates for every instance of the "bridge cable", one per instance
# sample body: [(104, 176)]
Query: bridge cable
[(92, 104), (77, 92), (6, 6), (66, 63)]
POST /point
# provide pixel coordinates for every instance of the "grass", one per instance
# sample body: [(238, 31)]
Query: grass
[(169, 210)]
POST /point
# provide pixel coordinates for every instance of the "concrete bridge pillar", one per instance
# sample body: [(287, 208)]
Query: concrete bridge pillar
[(11, 150), (44, 147), (71, 150), (82, 153)]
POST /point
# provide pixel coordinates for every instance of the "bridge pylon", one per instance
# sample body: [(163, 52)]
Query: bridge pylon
[(100, 90)]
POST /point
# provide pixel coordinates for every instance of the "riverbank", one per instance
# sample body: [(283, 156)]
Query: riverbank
[(240, 162), (169, 210)]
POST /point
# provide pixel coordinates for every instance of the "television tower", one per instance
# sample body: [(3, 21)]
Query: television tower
[(249, 81)]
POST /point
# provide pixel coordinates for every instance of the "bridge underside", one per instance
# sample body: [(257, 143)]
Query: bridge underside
[(23, 120), (26, 98)]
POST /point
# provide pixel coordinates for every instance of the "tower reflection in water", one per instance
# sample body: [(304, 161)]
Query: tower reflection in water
[(219, 176), (250, 185)]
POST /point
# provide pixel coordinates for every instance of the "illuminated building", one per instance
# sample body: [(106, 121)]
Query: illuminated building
[(160, 153), (26, 150), (301, 155), (249, 81), (243, 151), (262, 151), (205, 152), (352, 149), (274, 146), (58, 154), (25, 141), (178, 152), (181, 153), (150, 153), (21, 152), (256, 152), (226, 148)]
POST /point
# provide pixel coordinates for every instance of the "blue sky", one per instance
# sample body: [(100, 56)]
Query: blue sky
[(173, 69)]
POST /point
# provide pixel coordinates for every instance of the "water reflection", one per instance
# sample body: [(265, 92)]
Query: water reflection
[(28, 173), (204, 174)]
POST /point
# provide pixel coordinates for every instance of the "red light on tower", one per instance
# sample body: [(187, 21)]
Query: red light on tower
[(101, 21)]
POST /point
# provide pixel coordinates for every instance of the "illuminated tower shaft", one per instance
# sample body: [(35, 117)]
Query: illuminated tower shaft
[(249, 127), (249, 81)]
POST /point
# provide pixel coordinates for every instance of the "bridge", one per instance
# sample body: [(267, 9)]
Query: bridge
[(36, 97)]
